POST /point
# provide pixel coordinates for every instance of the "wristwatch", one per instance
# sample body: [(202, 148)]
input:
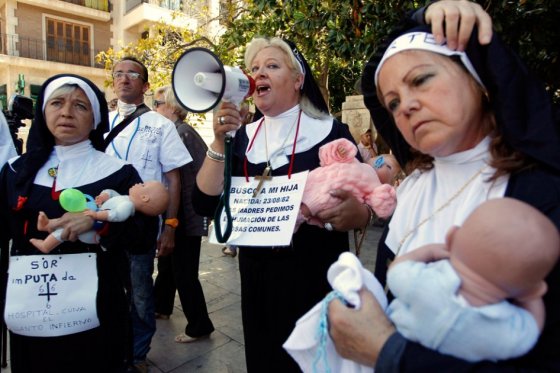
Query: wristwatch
[(172, 222)]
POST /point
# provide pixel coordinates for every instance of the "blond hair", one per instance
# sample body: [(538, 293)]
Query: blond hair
[(171, 101), (260, 43)]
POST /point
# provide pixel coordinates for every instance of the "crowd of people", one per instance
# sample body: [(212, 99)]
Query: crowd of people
[(474, 131)]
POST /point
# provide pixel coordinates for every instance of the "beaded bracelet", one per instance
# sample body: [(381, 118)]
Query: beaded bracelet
[(215, 156)]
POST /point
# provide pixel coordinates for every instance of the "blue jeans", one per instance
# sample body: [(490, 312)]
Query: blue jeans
[(142, 310)]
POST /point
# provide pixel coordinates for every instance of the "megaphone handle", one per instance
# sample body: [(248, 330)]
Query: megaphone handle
[(231, 134), (222, 237)]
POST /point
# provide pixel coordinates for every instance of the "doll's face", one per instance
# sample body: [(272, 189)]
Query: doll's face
[(487, 248), (387, 168)]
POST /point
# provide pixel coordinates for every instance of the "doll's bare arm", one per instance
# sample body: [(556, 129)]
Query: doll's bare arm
[(425, 254), (102, 198), (535, 306)]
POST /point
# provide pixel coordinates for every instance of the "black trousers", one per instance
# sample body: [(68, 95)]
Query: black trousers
[(179, 271)]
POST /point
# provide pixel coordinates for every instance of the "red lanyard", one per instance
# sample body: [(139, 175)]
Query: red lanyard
[(245, 161)]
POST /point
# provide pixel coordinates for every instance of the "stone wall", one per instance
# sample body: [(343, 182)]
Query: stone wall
[(356, 116)]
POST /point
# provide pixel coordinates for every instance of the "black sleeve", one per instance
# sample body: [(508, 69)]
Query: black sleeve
[(4, 216), (401, 355), (204, 204)]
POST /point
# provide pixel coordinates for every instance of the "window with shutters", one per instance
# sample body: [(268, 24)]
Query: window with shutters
[(68, 42)]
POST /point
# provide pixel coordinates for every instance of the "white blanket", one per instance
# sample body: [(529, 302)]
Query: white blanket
[(346, 276)]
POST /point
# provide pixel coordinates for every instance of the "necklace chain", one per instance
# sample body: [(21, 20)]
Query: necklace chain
[(439, 209)]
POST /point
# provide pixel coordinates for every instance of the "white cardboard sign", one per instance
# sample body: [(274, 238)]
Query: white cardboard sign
[(51, 295), (267, 219)]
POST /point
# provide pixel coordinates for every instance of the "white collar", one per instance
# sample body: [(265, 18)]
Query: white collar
[(479, 152), (280, 133), (125, 109), (424, 192), (78, 164), (80, 149)]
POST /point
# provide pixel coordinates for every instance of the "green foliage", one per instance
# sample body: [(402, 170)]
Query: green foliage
[(531, 28), (337, 37), (158, 52)]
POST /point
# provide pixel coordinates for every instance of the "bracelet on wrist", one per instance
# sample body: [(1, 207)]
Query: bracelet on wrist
[(172, 222), (371, 215), (215, 156)]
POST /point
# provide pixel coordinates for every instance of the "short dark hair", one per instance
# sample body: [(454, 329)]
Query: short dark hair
[(134, 59)]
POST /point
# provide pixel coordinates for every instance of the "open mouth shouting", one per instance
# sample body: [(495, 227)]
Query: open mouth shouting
[(262, 89)]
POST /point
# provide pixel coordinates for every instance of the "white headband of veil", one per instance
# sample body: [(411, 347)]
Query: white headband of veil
[(424, 41), (57, 83)]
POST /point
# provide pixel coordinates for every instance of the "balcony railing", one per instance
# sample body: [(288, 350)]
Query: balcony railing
[(167, 4), (56, 50), (93, 4)]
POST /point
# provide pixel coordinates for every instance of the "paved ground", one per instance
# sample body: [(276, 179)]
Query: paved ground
[(223, 351)]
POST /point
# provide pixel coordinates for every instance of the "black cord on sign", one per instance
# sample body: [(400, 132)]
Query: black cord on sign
[(224, 199)]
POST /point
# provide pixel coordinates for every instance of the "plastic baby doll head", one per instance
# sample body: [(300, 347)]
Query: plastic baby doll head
[(503, 250), (387, 168), (150, 198)]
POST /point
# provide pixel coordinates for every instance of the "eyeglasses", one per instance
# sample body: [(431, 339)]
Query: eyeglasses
[(158, 103), (132, 76)]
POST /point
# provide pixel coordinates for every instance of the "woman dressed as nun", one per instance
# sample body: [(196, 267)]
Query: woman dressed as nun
[(66, 311)]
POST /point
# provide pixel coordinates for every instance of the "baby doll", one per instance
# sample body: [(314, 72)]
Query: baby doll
[(150, 198), (341, 170), (479, 295), (387, 168)]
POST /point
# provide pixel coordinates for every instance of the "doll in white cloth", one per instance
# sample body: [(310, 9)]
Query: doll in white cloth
[(478, 296), (341, 170), (150, 198), (309, 344)]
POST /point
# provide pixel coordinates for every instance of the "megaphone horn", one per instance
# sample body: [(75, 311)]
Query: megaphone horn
[(200, 81)]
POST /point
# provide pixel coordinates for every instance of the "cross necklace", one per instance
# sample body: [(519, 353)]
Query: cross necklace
[(267, 172)]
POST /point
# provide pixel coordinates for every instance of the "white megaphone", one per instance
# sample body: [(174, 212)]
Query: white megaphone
[(200, 81)]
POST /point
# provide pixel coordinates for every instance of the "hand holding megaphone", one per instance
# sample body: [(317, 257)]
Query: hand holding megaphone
[(200, 81)]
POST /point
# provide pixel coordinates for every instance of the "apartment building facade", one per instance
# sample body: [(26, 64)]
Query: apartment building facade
[(40, 38)]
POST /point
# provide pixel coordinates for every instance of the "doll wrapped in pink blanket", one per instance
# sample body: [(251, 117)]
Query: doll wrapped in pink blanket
[(341, 170)]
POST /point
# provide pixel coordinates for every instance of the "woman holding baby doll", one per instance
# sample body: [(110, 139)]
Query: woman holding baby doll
[(279, 284), (80, 298), (472, 126)]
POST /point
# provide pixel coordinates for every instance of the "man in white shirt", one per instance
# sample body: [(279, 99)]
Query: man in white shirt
[(150, 143)]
